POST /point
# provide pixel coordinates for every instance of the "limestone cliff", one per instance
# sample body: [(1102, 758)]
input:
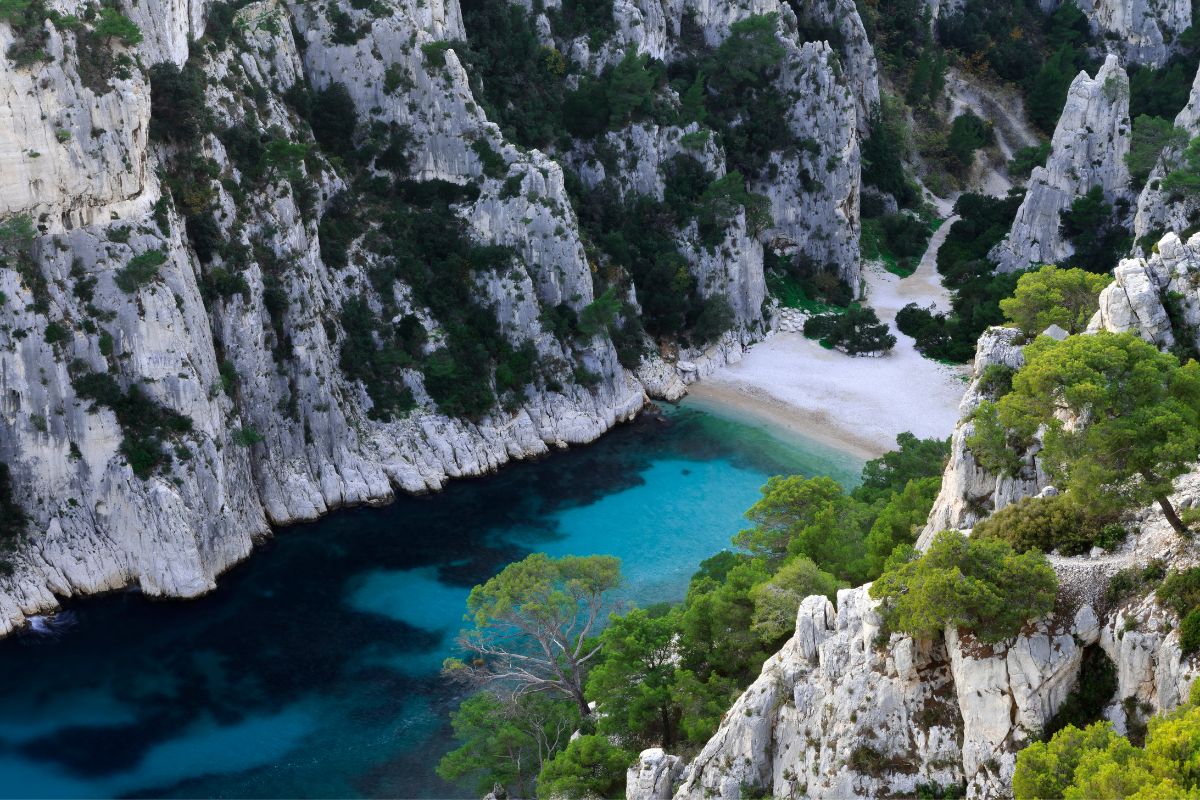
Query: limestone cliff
[(1087, 151), (224, 332), (842, 711), (1158, 210)]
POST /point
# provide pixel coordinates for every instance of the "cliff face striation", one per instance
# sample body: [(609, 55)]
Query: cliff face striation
[(217, 315)]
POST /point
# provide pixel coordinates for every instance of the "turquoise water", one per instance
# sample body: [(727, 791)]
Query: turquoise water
[(313, 669)]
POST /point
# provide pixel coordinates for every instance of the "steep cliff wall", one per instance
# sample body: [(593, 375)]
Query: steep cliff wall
[(1088, 150), (173, 368)]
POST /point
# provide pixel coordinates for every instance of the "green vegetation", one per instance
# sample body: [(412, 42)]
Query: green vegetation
[(1184, 179), (1151, 135), (115, 25), (898, 240), (1093, 691), (976, 289), (141, 270), (146, 425), (1096, 762), (13, 519), (1181, 593), (1094, 228), (1025, 159), (968, 133), (590, 766), (797, 282), (1141, 410), (532, 623), (980, 584), (855, 331), (1053, 296), (665, 675), (883, 155), (506, 739), (639, 234), (1052, 523)]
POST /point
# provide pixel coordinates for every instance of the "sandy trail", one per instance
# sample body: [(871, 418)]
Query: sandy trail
[(855, 404)]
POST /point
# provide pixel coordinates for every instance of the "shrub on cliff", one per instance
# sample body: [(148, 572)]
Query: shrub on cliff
[(1053, 296), (590, 766), (1097, 762), (1051, 523), (980, 584), (1139, 408)]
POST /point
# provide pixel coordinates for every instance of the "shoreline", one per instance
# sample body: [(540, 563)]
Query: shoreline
[(856, 405), (786, 421)]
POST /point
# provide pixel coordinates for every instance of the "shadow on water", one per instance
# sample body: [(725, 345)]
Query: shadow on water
[(313, 669)]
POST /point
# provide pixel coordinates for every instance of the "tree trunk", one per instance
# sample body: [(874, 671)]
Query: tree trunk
[(666, 723), (1173, 518), (581, 701)]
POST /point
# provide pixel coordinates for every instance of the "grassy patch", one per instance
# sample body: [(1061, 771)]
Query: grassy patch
[(791, 294)]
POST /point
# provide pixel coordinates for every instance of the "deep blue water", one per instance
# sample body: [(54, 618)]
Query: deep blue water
[(313, 670)]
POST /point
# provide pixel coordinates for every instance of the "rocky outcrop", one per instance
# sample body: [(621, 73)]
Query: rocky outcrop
[(1156, 297), (1141, 31), (969, 491), (1088, 150), (244, 344), (1159, 211), (845, 711)]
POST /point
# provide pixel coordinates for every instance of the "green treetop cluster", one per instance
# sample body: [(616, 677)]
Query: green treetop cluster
[(1096, 762), (666, 674)]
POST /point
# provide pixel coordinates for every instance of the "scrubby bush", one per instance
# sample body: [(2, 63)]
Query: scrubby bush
[(178, 111), (968, 133), (13, 519), (1053, 296), (1046, 524), (1181, 590), (141, 270), (146, 425), (855, 331), (1151, 135), (798, 282), (1189, 632), (976, 289), (590, 766), (115, 25), (980, 584), (1026, 158), (1095, 229), (1097, 762), (1092, 692), (777, 600)]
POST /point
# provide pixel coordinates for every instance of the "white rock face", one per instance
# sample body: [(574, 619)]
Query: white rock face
[(654, 775), (1140, 31), (839, 713), (71, 155), (1088, 150), (77, 158), (1136, 301), (1157, 211), (970, 492)]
